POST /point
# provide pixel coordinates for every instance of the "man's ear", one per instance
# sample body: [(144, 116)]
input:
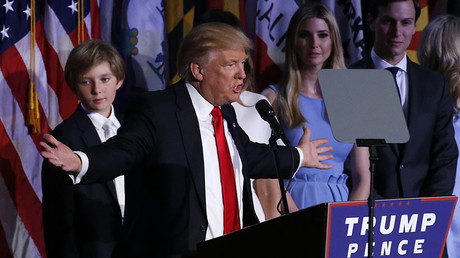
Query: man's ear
[(197, 71), (371, 21), (119, 83)]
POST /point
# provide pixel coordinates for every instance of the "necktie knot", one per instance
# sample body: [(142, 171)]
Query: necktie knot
[(394, 70), (216, 113), (108, 129)]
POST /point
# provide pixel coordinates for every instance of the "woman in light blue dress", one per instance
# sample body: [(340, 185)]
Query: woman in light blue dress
[(440, 50), (313, 43)]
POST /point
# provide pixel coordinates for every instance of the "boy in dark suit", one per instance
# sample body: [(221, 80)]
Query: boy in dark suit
[(86, 220)]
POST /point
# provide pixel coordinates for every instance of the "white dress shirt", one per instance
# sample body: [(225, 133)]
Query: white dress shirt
[(98, 121), (213, 186), (402, 78)]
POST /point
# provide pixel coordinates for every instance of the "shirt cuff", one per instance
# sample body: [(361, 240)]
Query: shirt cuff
[(76, 179), (300, 160)]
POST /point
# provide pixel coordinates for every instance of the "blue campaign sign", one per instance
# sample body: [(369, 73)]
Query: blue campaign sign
[(402, 227)]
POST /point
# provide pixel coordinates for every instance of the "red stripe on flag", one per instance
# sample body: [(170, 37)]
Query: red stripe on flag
[(95, 21), (266, 71), (17, 77), (55, 75), (74, 36), (24, 197)]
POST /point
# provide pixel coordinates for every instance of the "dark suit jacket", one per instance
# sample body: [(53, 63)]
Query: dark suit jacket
[(426, 164), (165, 136), (81, 220)]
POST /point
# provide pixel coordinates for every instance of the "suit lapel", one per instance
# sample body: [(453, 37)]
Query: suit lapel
[(415, 100), (249, 215), (190, 133), (90, 138), (228, 114)]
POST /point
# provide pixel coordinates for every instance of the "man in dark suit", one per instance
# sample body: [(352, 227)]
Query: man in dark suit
[(426, 164), (174, 136), (85, 220)]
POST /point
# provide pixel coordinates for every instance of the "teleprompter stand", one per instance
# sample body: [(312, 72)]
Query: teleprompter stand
[(373, 158), (364, 108)]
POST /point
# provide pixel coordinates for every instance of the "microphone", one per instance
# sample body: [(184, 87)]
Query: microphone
[(267, 113)]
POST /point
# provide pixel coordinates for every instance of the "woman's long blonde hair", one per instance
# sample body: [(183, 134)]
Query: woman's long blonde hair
[(439, 49), (290, 84)]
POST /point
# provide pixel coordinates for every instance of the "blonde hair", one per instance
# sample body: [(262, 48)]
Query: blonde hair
[(202, 40), (439, 50), (88, 54), (290, 84)]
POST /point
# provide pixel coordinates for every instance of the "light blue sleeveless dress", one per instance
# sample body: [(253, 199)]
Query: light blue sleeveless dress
[(311, 186)]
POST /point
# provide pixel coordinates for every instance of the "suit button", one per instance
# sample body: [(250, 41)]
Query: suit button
[(401, 166), (203, 228)]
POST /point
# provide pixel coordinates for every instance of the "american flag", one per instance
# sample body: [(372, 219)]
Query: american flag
[(59, 26)]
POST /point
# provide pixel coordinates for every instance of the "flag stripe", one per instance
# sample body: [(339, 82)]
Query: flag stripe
[(95, 20), (15, 183), (23, 49), (46, 96), (57, 36), (15, 73), (54, 65), (11, 116)]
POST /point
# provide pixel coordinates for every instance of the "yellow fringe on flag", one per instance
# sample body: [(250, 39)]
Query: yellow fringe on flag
[(33, 109), (81, 22)]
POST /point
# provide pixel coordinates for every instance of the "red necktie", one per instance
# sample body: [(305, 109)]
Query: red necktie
[(227, 176)]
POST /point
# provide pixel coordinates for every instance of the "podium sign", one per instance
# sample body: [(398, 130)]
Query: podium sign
[(402, 227)]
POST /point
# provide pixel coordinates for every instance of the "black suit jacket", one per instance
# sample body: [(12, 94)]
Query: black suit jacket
[(165, 137), (80, 220), (426, 164)]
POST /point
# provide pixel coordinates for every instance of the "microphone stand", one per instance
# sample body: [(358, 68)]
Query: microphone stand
[(274, 147)]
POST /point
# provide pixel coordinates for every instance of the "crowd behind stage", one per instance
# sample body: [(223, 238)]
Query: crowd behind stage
[(194, 161)]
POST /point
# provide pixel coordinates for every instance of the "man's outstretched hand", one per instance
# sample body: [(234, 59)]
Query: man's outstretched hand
[(312, 154), (59, 154)]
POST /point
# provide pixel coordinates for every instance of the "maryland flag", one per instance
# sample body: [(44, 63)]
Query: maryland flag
[(179, 18), (421, 24)]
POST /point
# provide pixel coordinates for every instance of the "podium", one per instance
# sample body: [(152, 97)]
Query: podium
[(402, 227)]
